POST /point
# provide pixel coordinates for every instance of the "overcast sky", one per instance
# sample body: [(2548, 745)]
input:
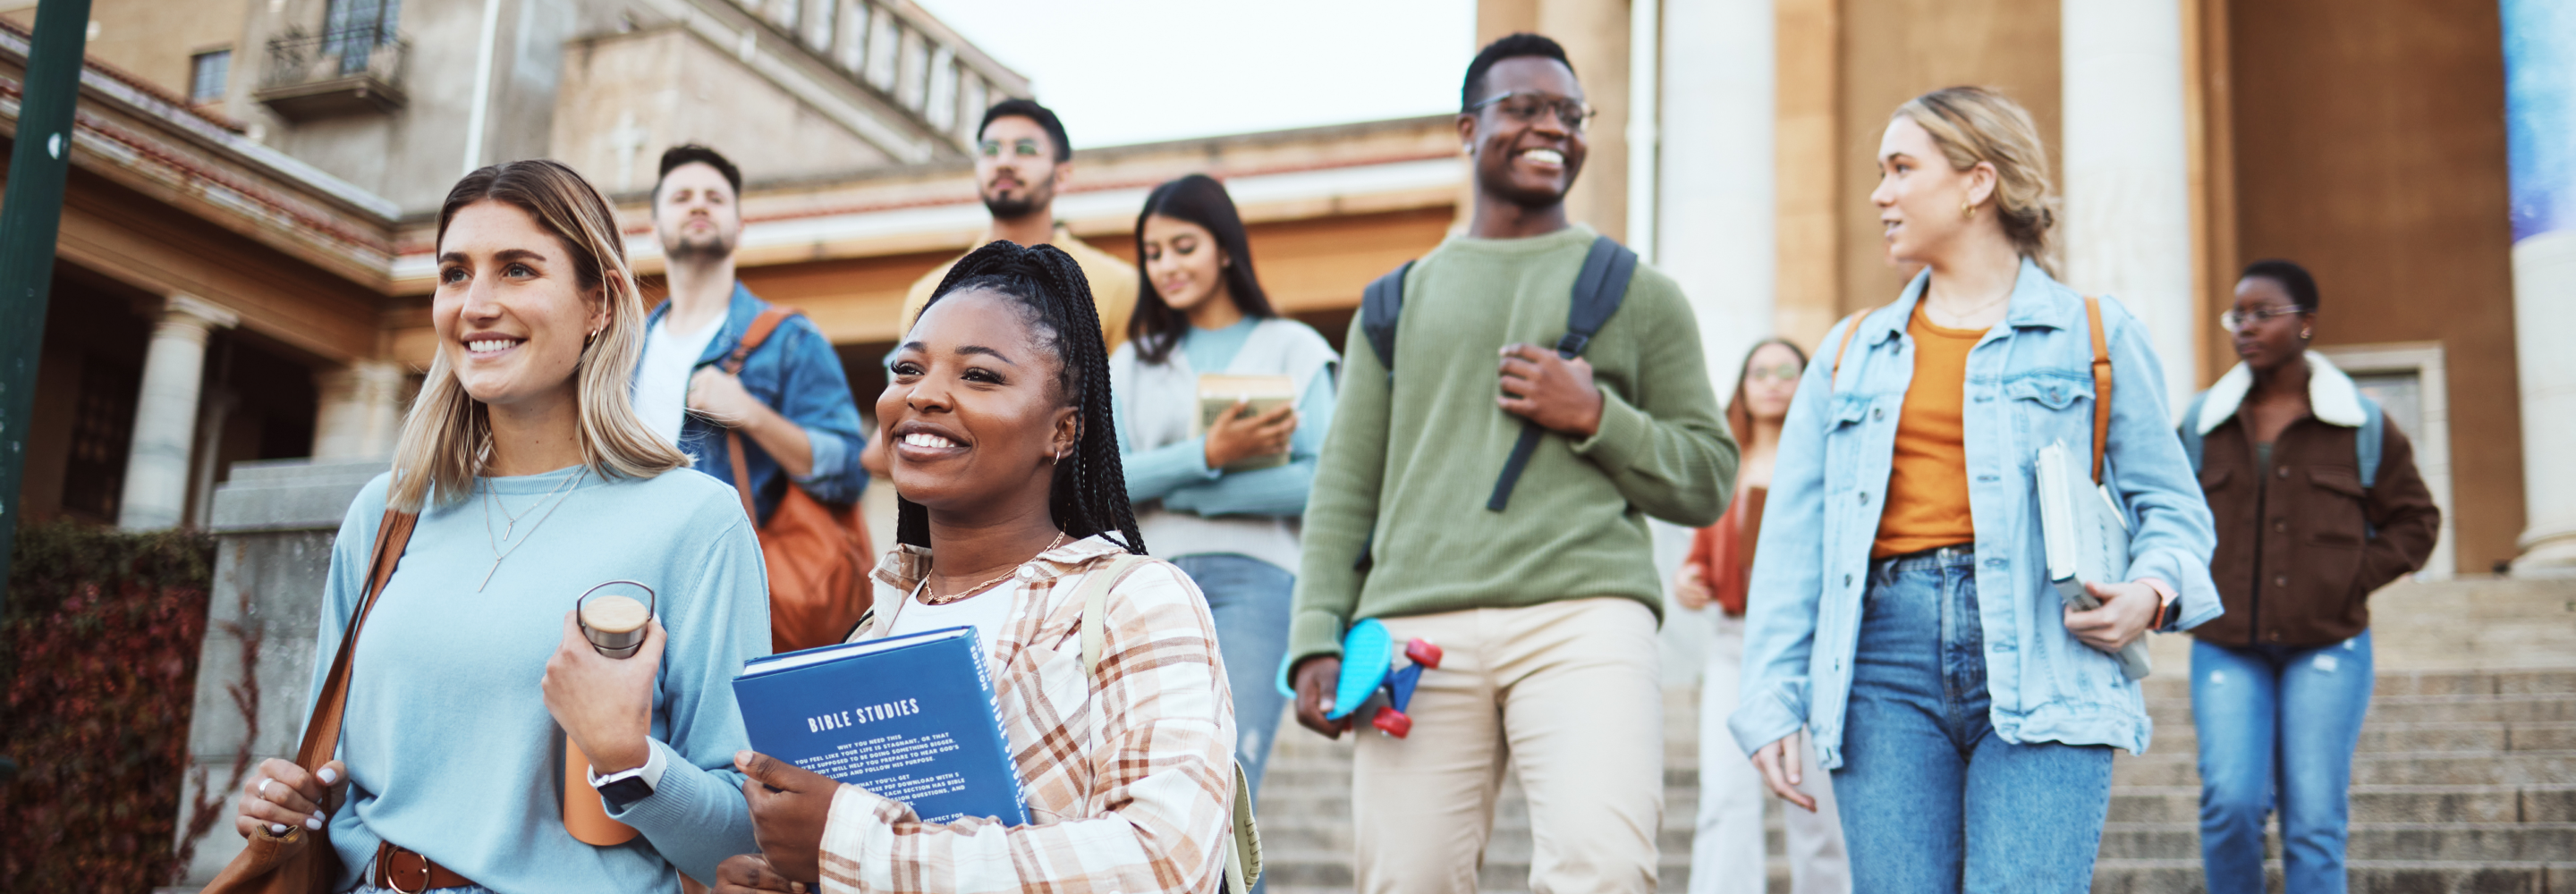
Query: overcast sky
[(1136, 71)]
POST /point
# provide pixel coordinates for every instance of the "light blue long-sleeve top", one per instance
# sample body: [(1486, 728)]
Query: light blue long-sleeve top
[(1178, 473), (450, 749), (2029, 384)]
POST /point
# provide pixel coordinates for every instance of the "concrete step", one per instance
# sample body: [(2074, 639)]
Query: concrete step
[(2384, 768), (2458, 738), (2544, 707), (2456, 842), (2170, 683), (2183, 876), (2544, 803)]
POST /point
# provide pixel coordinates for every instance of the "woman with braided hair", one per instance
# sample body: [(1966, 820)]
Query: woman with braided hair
[(1006, 459)]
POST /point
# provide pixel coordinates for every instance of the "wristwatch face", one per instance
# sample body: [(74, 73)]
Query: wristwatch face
[(625, 791)]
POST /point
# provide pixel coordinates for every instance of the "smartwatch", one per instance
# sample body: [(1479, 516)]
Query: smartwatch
[(623, 788), (2169, 609)]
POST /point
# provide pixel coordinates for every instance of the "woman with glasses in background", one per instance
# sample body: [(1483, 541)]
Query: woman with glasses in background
[(1727, 851), (2318, 504)]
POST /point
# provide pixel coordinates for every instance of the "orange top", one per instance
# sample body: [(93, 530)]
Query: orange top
[(1927, 483)]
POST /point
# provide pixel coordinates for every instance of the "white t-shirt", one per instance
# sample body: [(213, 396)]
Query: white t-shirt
[(662, 379), (987, 612)]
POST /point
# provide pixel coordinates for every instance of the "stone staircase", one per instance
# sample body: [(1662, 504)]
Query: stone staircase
[(2465, 781)]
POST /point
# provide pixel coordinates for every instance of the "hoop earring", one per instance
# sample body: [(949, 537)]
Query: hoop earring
[(2307, 333)]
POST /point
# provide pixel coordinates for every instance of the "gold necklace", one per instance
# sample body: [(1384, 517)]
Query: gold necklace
[(1963, 317), (929, 598)]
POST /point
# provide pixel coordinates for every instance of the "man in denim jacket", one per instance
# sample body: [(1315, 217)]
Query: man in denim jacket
[(791, 400)]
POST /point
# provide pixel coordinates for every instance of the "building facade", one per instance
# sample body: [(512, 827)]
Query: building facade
[(2188, 137), (260, 290)]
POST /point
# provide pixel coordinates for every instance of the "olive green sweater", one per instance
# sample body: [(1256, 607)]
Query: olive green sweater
[(1414, 459)]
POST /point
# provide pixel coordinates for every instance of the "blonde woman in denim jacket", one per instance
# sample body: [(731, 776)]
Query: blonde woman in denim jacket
[(1901, 610)]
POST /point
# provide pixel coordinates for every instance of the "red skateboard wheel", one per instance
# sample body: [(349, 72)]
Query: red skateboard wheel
[(1393, 721), (1423, 652)]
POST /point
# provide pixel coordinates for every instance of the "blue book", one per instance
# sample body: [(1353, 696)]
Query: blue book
[(906, 717)]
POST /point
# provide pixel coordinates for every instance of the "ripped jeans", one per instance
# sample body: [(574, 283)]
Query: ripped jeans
[(2277, 728)]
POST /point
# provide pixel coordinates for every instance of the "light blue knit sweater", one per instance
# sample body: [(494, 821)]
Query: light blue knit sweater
[(450, 750)]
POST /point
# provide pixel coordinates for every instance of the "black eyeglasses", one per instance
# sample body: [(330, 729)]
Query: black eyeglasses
[(1575, 114)]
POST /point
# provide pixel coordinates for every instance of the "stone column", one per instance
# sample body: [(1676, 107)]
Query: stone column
[(165, 414), (1717, 209), (361, 410), (2540, 113), (2127, 183)]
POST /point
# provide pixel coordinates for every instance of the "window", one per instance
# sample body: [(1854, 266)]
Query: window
[(207, 74), (102, 430), (352, 29)]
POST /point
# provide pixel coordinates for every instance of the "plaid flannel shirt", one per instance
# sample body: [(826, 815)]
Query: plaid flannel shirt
[(1129, 782)]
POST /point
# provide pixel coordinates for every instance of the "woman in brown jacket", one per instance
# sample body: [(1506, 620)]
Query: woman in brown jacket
[(2279, 684)]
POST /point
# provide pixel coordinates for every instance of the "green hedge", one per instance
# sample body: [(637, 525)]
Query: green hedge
[(98, 656)]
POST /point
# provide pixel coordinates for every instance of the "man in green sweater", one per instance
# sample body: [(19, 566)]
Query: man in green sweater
[(1547, 610)]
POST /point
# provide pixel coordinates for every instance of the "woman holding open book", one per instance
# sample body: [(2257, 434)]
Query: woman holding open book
[(1222, 406), (1013, 511), (523, 478), (1903, 607)]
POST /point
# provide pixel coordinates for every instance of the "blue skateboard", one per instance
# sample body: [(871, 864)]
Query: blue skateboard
[(1368, 667)]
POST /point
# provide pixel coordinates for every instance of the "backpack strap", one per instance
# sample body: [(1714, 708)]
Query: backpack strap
[(2367, 441), (1095, 604), (1380, 305), (1851, 327), (1243, 839), (2190, 430), (2101, 384), (1599, 288)]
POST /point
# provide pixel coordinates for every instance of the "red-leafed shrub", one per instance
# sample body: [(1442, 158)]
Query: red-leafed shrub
[(98, 657)]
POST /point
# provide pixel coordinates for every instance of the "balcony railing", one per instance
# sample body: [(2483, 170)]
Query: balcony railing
[(334, 73), (902, 53)]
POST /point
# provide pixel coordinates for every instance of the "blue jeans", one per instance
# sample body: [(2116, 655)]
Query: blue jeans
[(2277, 728), (1251, 600), (1933, 800)]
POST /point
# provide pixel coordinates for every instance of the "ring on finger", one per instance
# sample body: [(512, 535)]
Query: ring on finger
[(264, 783)]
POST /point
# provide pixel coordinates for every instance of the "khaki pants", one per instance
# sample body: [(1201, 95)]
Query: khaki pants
[(1570, 693)]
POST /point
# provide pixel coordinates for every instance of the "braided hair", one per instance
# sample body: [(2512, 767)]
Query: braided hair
[(1089, 494)]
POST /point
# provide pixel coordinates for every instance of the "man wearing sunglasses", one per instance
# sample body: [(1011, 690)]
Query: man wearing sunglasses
[(1546, 602)]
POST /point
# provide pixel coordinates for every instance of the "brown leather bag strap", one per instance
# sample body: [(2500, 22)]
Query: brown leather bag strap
[(1851, 327), (322, 732), (752, 337), (2101, 384), (761, 327), (741, 473)]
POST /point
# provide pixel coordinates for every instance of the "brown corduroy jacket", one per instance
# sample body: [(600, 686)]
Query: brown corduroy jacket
[(2297, 560)]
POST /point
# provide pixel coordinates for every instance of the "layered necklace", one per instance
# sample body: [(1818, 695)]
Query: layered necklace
[(570, 485)]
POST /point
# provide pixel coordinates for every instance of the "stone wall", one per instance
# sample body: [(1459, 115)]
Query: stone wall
[(274, 524)]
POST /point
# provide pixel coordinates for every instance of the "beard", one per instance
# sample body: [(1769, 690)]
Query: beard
[(1034, 197), (704, 248)]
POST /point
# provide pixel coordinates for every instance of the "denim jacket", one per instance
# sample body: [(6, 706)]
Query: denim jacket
[(2029, 384), (797, 374)]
